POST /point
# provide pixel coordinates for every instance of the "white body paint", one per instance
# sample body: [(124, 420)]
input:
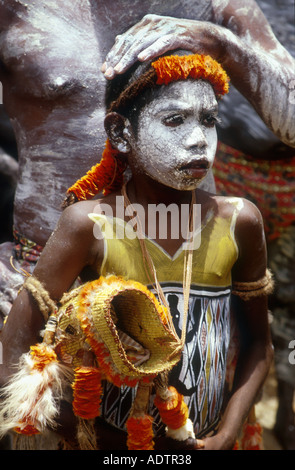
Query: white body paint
[(161, 150)]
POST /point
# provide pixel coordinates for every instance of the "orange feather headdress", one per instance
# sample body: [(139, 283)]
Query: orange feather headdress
[(198, 67)]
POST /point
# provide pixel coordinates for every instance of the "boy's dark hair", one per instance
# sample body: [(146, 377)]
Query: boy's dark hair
[(127, 94), (135, 84)]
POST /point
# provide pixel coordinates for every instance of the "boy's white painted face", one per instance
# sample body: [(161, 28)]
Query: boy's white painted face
[(176, 140)]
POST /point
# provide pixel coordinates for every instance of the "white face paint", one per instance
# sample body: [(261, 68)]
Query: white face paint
[(176, 141)]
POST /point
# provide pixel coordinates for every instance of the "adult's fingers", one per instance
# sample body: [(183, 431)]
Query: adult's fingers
[(152, 36), (132, 42)]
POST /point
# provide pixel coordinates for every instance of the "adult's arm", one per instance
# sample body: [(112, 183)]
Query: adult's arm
[(240, 38)]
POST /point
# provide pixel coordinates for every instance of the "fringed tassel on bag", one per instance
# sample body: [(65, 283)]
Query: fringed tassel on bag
[(173, 411), (236, 446), (86, 404), (140, 432), (140, 424)]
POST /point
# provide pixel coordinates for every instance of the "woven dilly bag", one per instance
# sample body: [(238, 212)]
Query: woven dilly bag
[(108, 314), (108, 329)]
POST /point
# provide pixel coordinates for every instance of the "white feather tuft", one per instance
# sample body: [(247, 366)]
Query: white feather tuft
[(183, 433), (34, 394)]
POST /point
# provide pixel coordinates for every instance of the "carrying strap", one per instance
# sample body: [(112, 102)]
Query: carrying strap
[(151, 270)]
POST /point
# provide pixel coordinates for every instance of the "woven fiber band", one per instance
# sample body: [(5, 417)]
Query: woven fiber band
[(46, 305), (249, 290)]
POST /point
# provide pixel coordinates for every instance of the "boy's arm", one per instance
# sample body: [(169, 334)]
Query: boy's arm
[(71, 247), (252, 320)]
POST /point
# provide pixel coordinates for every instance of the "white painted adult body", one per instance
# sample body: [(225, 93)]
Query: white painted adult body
[(51, 58)]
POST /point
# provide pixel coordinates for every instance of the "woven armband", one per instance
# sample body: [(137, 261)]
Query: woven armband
[(46, 305), (250, 290)]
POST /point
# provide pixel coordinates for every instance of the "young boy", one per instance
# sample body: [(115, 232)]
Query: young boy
[(161, 122)]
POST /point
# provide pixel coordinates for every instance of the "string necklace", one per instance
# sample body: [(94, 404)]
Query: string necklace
[(150, 267)]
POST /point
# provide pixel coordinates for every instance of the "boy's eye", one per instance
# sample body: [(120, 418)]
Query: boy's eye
[(173, 121), (210, 120)]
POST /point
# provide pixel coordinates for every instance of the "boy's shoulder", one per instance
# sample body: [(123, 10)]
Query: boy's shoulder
[(82, 208), (76, 216), (227, 206), (239, 205), (245, 213), (249, 224)]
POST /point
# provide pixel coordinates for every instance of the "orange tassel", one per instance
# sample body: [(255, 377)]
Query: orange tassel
[(251, 433), (252, 437), (174, 411), (140, 433), (87, 392), (28, 430), (106, 176)]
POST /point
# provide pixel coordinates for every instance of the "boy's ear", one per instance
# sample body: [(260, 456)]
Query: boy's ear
[(118, 130)]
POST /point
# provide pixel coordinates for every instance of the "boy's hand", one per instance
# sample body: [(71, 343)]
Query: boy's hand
[(218, 442), (166, 443)]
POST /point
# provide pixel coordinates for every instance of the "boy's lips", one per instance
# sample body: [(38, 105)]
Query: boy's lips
[(196, 166)]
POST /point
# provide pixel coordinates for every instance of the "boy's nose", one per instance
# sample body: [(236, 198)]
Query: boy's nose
[(196, 139)]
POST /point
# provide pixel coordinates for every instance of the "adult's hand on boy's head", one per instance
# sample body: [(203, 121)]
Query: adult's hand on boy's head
[(154, 35)]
